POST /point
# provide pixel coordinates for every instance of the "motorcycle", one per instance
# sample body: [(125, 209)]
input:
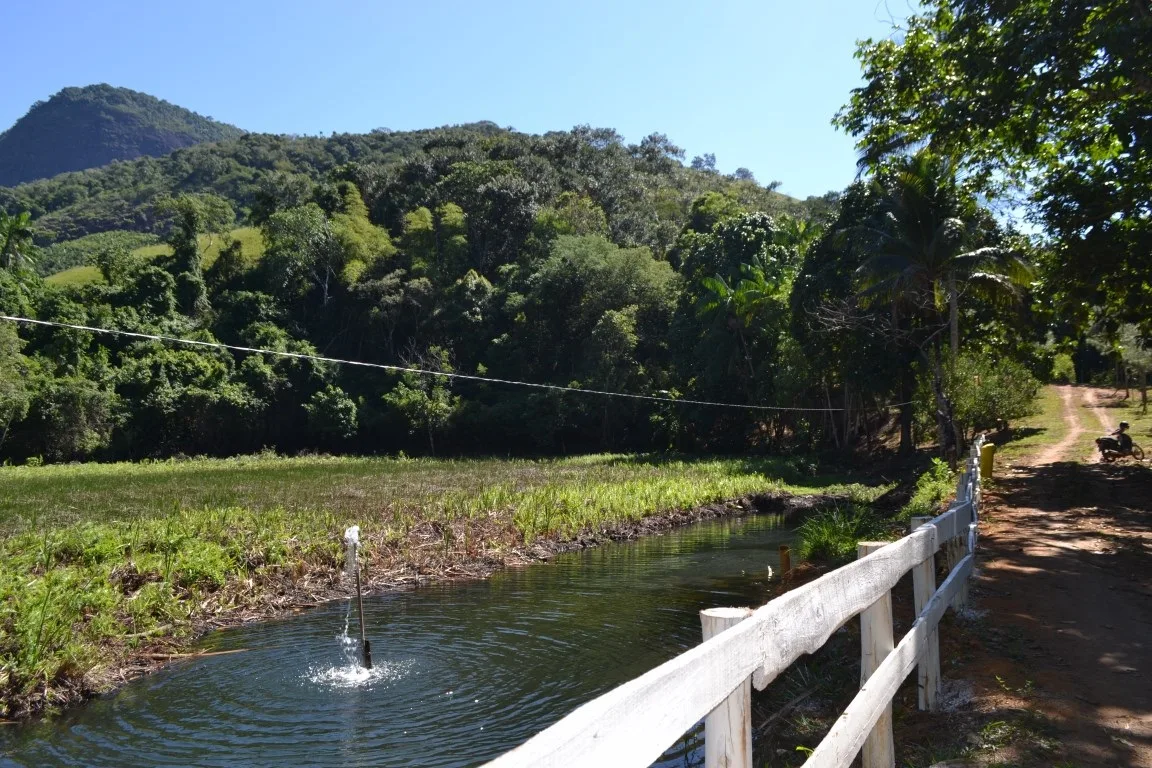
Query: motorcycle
[(1111, 450)]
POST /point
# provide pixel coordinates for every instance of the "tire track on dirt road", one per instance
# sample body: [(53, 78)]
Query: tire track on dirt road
[(1066, 579), (1092, 403), (1059, 451)]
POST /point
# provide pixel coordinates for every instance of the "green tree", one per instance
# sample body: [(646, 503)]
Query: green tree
[(187, 217), (851, 358), (14, 390), (1047, 98), (920, 254), (69, 418), (332, 414), (1136, 356), (302, 254), (983, 390), (15, 239), (927, 246), (571, 214), (750, 306), (361, 242), (426, 402)]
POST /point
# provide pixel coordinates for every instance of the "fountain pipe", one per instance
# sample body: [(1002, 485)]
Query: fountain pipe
[(365, 646)]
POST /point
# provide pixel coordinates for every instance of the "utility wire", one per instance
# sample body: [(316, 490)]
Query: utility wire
[(420, 371)]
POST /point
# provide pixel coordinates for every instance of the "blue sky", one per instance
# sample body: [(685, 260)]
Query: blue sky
[(755, 83)]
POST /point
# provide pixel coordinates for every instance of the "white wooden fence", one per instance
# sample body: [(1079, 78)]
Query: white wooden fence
[(633, 724)]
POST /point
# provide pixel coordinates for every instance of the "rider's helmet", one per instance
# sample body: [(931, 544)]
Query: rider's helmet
[(1123, 425)]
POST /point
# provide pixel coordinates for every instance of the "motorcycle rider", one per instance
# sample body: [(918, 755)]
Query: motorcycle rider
[(1123, 439)]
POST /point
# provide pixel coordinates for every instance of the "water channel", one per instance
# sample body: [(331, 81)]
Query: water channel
[(464, 671)]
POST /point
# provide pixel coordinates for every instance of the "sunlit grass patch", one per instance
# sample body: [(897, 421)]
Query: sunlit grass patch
[(251, 240), (365, 488), (1031, 435)]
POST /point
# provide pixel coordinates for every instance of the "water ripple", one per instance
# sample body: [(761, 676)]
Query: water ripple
[(462, 672)]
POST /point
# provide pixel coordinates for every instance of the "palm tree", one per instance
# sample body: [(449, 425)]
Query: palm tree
[(927, 250), (15, 237), (743, 304)]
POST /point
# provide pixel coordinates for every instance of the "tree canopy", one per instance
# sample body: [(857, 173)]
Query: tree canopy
[(1047, 103), (571, 259)]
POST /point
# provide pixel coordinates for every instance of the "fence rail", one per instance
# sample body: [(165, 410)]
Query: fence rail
[(633, 724)]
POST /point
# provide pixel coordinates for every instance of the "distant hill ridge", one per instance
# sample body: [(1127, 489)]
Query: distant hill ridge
[(89, 127), (501, 180)]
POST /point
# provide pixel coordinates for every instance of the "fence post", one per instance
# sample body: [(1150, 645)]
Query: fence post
[(728, 728), (923, 587), (956, 549), (876, 642), (974, 480)]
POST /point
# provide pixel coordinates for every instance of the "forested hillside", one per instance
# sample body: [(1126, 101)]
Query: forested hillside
[(572, 259), (89, 127), (643, 188)]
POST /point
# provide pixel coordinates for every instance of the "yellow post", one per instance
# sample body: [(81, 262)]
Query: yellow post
[(987, 456)]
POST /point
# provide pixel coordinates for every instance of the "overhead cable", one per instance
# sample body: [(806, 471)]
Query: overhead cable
[(418, 371)]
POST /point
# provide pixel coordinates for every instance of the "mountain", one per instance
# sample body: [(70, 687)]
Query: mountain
[(89, 127)]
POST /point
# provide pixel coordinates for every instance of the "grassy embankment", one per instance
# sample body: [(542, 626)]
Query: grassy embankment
[(832, 535), (101, 565), (250, 238)]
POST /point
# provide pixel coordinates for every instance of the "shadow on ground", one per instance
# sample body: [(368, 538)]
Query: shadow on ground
[(1067, 572)]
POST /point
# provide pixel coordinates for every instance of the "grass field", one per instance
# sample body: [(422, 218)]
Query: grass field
[(1031, 434), (99, 560), (249, 237)]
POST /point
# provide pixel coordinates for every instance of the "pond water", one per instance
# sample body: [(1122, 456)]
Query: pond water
[(463, 672)]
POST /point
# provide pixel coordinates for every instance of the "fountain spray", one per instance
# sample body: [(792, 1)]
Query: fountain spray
[(352, 564)]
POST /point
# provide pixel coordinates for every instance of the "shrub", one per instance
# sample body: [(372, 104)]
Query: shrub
[(1063, 369), (332, 414), (982, 390), (831, 535), (932, 488)]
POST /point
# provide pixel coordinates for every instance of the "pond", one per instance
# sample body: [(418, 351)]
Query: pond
[(464, 671)]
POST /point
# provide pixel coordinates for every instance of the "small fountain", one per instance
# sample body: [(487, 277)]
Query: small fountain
[(352, 568)]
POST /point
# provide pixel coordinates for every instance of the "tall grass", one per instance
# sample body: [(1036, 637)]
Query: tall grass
[(831, 535), (932, 489), (367, 488)]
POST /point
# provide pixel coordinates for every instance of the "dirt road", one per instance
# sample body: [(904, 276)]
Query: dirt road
[(1066, 580)]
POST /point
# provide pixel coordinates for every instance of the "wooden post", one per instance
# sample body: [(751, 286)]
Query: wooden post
[(876, 642), (956, 550), (923, 587), (728, 728), (785, 559)]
